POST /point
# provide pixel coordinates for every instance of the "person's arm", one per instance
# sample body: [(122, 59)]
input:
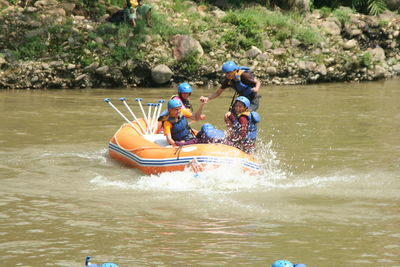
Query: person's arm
[(167, 132), (199, 114), (256, 88), (170, 140), (212, 96), (248, 78)]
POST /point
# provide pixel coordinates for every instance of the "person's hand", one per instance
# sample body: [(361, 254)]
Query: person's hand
[(203, 99), (202, 117), (227, 114)]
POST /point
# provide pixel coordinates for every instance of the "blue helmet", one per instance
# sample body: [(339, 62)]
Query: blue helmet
[(184, 88), (282, 263), (244, 100), (228, 66), (174, 103)]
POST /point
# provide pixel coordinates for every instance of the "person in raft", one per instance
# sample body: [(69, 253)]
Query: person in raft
[(286, 263), (175, 123), (241, 125), (242, 81), (184, 91)]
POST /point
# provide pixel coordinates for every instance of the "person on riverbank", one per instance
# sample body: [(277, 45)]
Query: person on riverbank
[(241, 125), (184, 91), (242, 81), (175, 122), (133, 8)]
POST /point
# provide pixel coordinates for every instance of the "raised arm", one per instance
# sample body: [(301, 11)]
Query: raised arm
[(212, 96), (199, 113), (256, 88)]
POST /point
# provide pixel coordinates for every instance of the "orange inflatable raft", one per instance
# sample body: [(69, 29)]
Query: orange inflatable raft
[(152, 154)]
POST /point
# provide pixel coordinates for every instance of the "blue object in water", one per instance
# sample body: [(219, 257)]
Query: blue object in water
[(299, 265), (88, 264), (109, 264), (282, 263)]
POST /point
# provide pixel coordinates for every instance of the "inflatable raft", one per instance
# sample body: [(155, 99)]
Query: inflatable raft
[(152, 154)]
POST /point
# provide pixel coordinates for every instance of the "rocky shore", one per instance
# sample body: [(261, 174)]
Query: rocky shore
[(53, 44)]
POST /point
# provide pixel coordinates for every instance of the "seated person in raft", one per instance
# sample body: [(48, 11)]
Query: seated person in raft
[(175, 123), (242, 125), (184, 91)]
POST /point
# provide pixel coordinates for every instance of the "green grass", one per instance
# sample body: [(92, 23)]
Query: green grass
[(252, 23), (343, 15), (31, 49)]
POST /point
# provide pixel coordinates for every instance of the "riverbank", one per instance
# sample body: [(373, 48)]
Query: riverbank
[(51, 44)]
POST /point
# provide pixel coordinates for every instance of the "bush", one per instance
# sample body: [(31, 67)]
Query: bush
[(31, 49), (366, 60)]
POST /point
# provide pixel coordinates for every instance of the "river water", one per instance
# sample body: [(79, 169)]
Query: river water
[(328, 194)]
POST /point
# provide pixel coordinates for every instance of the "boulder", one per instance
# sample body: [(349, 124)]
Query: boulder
[(45, 3), (393, 4), (218, 13), (396, 68), (184, 45), (253, 52), (102, 70), (377, 54), (330, 27), (350, 44), (161, 74), (2, 60)]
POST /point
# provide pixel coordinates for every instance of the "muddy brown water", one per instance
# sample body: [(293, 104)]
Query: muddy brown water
[(328, 194)]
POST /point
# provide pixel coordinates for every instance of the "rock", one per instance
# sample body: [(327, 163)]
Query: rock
[(279, 51), (379, 72), (68, 6), (99, 40), (262, 57), (393, 4), (31, 9), (297, 5), (71, 66), (271, 70), (45, 3), (56, 64), (57, 12), (267, 44), (330, 27), (35, 79), (218, 13), (321, 69), (350, 44), (184, 45), (80, 77), (92, 66), (161, 74), (377, 54), (102, 70), (396, 68), (253, 52), (3, 61)]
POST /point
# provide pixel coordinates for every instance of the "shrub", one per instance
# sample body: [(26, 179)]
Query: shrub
[(366, 60), (32, 48)]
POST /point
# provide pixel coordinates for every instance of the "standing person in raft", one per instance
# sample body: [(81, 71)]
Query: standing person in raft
[(175, 123), (242, 81), (241, 124), (184, 91)]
